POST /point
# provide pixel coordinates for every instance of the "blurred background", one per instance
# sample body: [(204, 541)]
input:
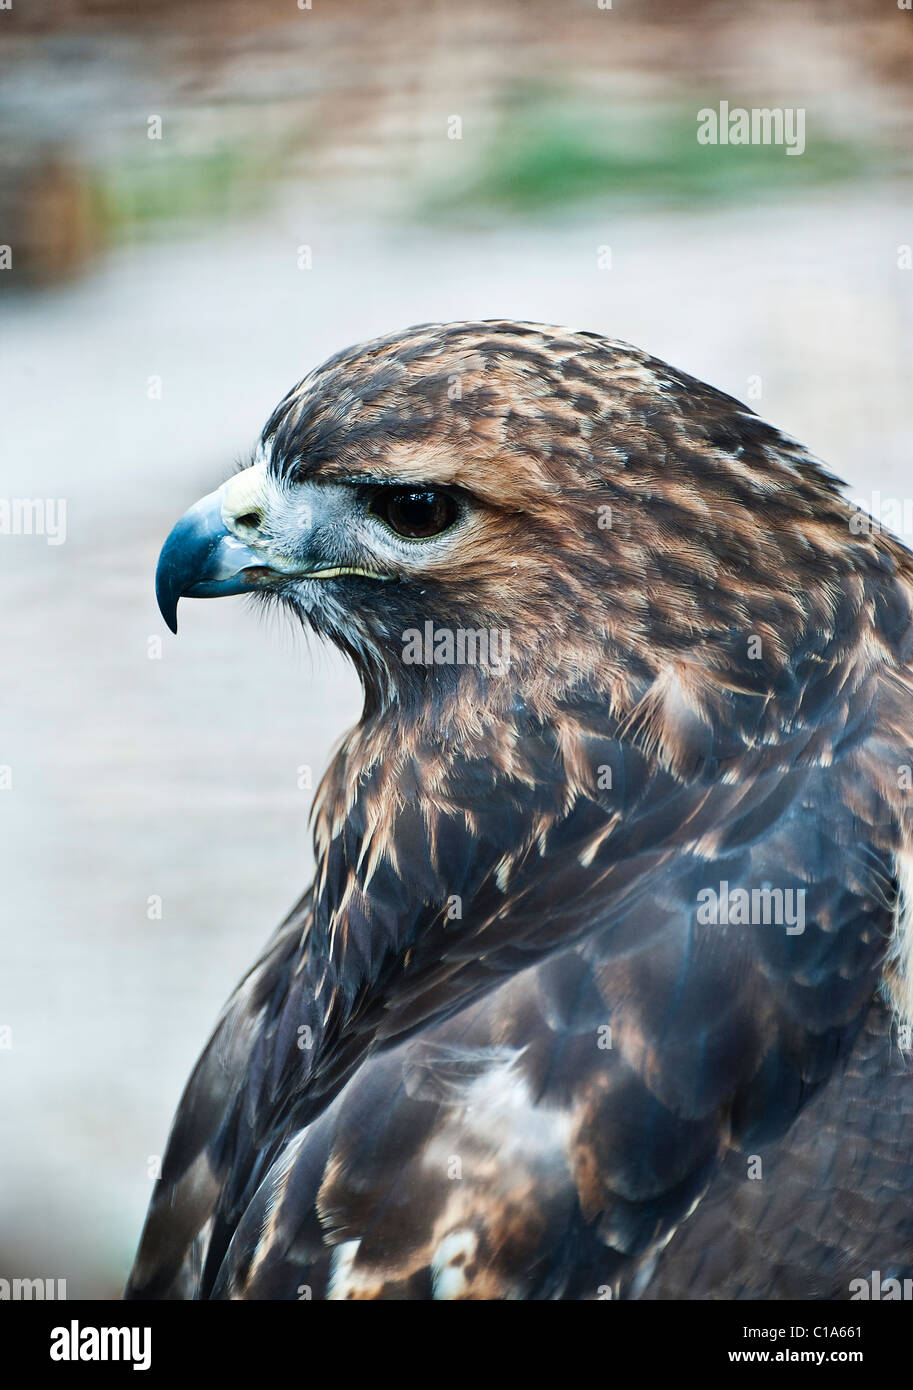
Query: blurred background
[(201, 201)]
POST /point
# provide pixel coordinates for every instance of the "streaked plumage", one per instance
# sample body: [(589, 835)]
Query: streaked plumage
[(414, 1093)]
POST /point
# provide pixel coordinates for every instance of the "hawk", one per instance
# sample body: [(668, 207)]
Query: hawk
[(602, 985)]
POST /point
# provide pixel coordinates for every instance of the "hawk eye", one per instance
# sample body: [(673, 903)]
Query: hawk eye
[(415, 513)]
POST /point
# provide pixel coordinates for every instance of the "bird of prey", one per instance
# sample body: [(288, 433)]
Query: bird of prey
[(603, 984)]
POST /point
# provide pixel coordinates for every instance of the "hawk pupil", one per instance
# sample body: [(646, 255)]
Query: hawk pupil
[(417, 513)]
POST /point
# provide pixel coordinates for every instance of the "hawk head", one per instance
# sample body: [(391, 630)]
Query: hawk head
[(580, 510)]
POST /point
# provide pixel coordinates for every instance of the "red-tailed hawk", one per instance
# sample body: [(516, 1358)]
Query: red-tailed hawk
[(601, 986)]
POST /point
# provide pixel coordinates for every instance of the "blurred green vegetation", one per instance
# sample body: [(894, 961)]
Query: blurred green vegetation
[(549, 149), (537, 152), (174, 186)]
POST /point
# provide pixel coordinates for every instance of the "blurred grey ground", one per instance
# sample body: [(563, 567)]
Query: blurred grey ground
[(136, 777)]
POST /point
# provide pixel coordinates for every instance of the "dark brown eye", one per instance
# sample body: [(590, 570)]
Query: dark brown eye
[(415, 513)]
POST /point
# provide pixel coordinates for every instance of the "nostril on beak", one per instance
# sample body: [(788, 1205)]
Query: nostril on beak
[(247, 525), (244, 509)]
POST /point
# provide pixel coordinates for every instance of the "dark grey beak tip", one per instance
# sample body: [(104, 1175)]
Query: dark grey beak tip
[(169, 613), (168, 585)]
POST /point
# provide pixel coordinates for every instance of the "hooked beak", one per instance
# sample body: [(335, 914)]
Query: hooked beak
[(218, 548)]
